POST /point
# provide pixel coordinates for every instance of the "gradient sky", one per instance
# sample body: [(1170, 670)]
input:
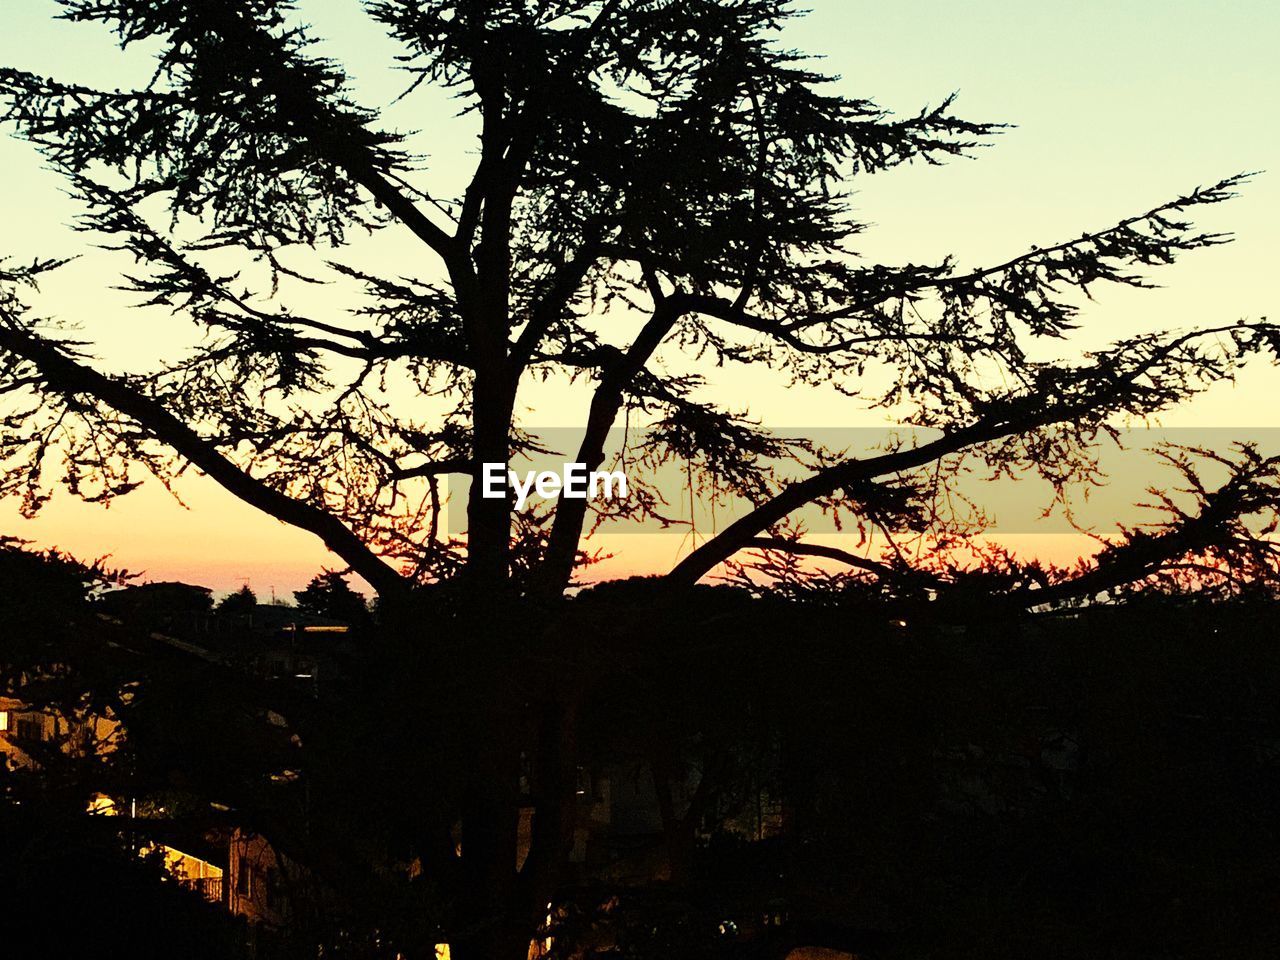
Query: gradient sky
[(1118, 106)]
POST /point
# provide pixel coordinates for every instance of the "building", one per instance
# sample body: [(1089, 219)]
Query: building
[(29, 733)]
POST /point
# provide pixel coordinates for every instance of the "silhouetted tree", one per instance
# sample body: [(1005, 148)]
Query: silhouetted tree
[(76, 893), (187, 731), (329, 595), (666, 168), (239, 604)]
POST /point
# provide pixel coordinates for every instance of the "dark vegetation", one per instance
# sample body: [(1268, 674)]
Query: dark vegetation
[(659, 189), (1094, 782)]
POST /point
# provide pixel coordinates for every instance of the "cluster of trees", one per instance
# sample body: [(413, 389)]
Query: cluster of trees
[(328, 595), (652, 181), (68, 874), (956, 782)]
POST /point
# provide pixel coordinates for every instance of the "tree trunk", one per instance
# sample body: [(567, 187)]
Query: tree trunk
[(511, 709), (489, 921), (555, 800), (489, 519), (677, 832)]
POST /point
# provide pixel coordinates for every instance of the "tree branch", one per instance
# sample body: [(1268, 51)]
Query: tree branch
[(566, 530), (882, 570), (1111, 384), (69, 377)]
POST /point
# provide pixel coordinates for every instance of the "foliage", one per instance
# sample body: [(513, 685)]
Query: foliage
[(329, 595), (668, 164), (659, 189), (238, 604)]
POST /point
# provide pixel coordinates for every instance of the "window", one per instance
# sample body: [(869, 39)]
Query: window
[(4, 721)]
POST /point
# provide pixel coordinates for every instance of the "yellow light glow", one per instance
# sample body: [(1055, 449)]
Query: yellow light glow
[(102, 806)]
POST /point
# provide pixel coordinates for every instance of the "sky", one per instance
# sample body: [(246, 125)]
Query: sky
[(1117, 106)]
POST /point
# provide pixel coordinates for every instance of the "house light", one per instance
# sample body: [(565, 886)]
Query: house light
[(101, 805)]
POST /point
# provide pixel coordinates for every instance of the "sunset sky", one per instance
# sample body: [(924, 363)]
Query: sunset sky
[(1118, 106)]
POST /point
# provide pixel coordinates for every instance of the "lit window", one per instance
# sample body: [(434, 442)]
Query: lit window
[(4, 720)]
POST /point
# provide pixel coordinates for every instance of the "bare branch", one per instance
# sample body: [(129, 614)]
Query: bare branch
[(69, 377), (1140, 377)]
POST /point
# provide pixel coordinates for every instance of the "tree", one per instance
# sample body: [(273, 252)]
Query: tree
[(128, 723), (329, 595), (668, 168), (242, 603)]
